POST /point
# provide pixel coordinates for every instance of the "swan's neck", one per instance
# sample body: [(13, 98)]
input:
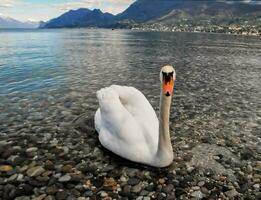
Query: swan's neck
[(165, 151)]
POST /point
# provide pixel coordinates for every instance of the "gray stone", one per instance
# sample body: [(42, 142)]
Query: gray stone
[(256, 186), (35, 171), (133, 181), (51, 190), (103, 194), (168, 188), (40, 197), (31, 149), (197, 194), (203, 158), (137, 188), (22, 198), (231, 193), (20, 177), (201, 183), (65, 178)]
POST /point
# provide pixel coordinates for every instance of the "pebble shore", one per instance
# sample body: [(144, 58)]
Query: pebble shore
[(48, 146), (72, 165)]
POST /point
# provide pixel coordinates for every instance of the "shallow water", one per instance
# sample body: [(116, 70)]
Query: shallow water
[(49, 77)]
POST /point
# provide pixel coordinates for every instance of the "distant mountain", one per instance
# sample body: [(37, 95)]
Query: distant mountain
[(7, 22), (168, 12), (82, 17), (213, 11), (144, 10), (171, 11)]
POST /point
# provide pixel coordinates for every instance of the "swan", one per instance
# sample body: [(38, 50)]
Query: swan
[(128, 125)]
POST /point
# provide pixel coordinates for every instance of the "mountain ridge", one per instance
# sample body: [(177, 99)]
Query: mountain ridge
[(8, 22), (82, 17), (160, 11)]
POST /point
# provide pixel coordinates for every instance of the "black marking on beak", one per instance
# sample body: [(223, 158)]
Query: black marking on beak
[(167, 94), (167, 77)]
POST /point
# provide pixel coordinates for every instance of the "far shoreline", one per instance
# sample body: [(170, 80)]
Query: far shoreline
[(132, 29)]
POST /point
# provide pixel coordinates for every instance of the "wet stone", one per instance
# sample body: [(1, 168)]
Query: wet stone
[(61, 195), (201, 183), (133, 181), (51, 190), (16, 160), (168, 188), (137, 188), (67, 168), (231, 194), (35, 171), (12, 178), (23, 198), (197, 194), (88, 193), (65, 178), (5, 168), (31, 149)]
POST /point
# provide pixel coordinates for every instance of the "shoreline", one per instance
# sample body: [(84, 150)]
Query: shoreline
[(133, 29)]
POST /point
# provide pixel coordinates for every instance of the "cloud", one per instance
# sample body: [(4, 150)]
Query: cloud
[(113, 6), (73, 5), (7, 3), (45, 10)]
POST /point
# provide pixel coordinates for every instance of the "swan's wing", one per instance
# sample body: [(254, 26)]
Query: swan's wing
[(118, 129), (140, 108), (127, 124), (114, 117)]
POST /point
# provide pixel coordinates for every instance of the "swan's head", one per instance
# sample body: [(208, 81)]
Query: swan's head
[(167, 78)]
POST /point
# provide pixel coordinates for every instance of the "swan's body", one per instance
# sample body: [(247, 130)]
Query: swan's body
[(128, 125)]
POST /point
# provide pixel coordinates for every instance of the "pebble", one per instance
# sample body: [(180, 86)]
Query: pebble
[(32, 149), (51, 190), (256, 186), (61, 195), (6, 168), (123, 179), (49, 197), (103, 194), (35, 171), (20, 177), (12, 178), (201, 183), (67, 168), (111, 183), (65, 178), (133, 181), (41, 197), (197, 194), (195, 188), (137, 188), (204, 190), (168, 188), (231, 193), (22, 198), (161, 180)]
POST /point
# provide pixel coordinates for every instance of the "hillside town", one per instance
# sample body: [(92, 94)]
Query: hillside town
[(247, 29)]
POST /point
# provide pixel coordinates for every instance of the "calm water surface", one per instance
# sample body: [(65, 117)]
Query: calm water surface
[(49, 77)]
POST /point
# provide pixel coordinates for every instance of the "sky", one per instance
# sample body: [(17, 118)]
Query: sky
[(43, 10)]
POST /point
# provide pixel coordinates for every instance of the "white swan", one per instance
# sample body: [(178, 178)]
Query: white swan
[(128, 125)]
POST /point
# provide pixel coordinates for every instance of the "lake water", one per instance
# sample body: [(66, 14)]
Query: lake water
[(49, 77)]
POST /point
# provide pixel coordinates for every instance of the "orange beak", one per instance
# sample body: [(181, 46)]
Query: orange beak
[(168, 87)]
